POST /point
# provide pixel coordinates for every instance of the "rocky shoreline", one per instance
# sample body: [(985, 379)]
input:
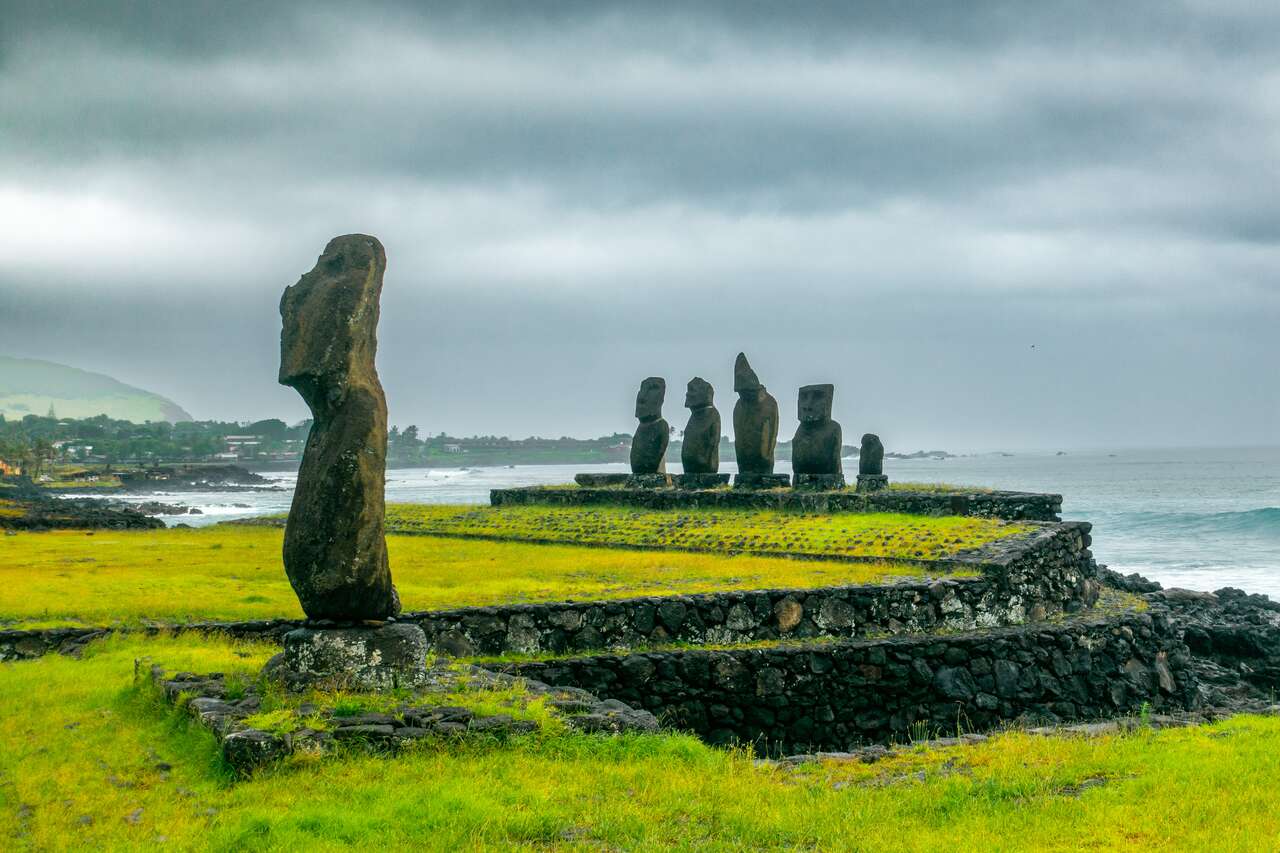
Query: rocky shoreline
[(194, 478), (30, 508), (26, 505)]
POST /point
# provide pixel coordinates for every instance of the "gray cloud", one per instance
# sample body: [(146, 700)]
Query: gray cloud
[(905, 197)]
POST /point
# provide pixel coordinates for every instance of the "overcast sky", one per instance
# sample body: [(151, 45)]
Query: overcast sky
[(991, 225)]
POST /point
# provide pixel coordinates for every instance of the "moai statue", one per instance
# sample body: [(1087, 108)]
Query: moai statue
[(871, 476), (649, 444), (815, 450), (335, 552), (700, 452), (755, 429)]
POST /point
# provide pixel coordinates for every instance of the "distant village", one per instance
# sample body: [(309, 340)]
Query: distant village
[(34, 444)]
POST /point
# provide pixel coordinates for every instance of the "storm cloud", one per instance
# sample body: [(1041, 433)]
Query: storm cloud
[(990, 224)]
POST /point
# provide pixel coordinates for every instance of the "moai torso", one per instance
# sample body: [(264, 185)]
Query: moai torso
[(700, 451), (817, 443), (649, 444), (755, 421), (871, 457)]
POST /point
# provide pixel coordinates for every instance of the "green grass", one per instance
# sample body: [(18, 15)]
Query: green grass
[(937, 488), (231, 573), (880, 535), (101, 765)]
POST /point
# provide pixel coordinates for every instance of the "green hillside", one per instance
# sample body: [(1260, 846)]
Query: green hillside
[(31, 387)]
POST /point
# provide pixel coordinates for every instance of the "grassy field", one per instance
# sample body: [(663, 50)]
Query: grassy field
[(230, 572), (104, 766), (884, 535)]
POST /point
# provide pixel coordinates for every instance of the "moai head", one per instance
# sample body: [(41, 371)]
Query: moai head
[(330, 321), (815, 403), (653, 391), (699, 394), (745, 381)]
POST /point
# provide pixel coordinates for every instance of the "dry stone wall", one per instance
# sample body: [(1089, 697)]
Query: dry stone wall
[(799, 698)]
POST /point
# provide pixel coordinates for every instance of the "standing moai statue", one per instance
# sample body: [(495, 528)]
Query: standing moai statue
[(755, 429), (815, 450), (871, 476), (649, 444), (700, 452), (335, 551)]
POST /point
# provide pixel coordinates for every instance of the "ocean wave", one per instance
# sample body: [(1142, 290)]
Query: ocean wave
[(1264, 521)]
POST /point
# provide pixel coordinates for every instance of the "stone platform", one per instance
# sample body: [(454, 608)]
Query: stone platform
[(1012, 506), (375, 657), (419, 716), (872, 482), (700, 481), (820, 482), (601, 481), (761, 481)]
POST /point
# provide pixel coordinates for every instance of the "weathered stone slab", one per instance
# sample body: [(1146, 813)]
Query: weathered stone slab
[(363, 658), (335, 553), (761, 480), (601, 481), (700, 481), (872, 482), (820, 482), (649, 481)]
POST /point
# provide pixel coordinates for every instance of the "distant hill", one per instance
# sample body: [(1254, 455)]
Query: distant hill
[(31, 387)]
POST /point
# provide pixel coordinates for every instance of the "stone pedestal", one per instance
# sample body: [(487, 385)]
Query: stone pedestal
[(378, 657), (601, 481), (872, 482), (753, 480), (649, 481), (820, 482), (700, 481)]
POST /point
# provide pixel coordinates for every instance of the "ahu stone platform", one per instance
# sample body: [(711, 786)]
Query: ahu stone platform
[(1011, 506), (1029, 576)]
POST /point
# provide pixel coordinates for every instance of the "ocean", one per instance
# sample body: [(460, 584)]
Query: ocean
[(1198, 519)]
